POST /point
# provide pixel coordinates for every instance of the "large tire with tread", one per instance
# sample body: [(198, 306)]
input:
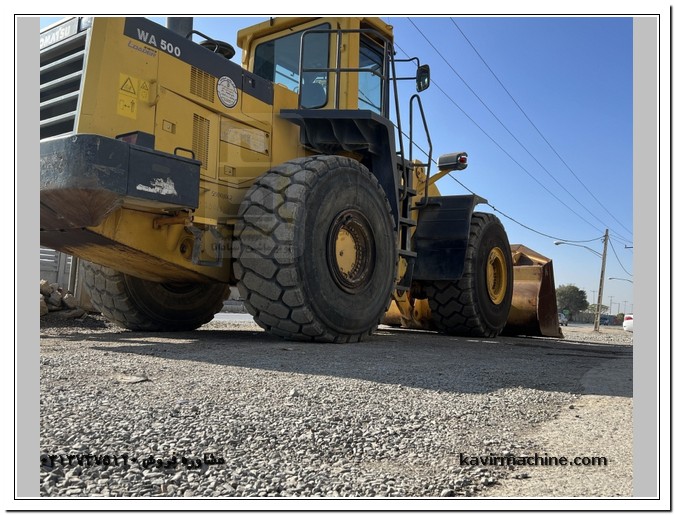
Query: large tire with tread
[(142, 305), (315, 250), (478, 304)]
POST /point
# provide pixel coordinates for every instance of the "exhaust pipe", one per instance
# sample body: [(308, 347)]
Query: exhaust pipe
[(182, 26)]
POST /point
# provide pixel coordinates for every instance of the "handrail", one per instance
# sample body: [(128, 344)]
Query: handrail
[(426, 130), (338, 69), (389, 74)]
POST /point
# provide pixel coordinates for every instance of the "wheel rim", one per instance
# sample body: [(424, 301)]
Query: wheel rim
[(351, 251), (496, 275)]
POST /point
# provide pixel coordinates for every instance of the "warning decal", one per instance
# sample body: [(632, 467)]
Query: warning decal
[(143, 91), (128, 87), (127, 96)]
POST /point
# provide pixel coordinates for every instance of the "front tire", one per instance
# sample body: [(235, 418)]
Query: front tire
[(478, 304), (142, 305), (316, 250)]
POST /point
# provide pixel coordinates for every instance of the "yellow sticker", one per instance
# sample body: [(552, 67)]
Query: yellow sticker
[(143, 91), (127, 106), (127, 96), (128, 85)]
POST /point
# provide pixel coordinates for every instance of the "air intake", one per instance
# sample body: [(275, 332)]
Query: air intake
[(200, 139), (202, 84)]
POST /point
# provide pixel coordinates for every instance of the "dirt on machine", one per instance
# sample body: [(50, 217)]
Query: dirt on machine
[(175, 173)]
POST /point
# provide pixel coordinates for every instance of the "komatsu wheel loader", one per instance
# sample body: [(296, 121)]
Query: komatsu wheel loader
[(176, 173)]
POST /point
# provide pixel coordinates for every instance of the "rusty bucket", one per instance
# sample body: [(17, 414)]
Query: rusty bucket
[(534, 309)]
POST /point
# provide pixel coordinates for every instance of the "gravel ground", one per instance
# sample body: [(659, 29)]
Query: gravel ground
[(385, 418)]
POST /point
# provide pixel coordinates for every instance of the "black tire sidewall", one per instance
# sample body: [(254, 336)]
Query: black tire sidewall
[(188, 307), (492, 235), (335, 191)]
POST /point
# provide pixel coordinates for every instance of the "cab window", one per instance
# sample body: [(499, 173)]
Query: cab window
[(371, 60), (277, 60)]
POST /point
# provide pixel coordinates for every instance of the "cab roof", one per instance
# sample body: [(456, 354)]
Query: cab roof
[(274, 25)]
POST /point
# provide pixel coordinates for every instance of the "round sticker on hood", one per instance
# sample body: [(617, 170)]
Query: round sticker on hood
[(227, 92)]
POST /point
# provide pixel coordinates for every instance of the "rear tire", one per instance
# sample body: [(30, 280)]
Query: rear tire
[(142, 305), (478, 304), (316, 250)]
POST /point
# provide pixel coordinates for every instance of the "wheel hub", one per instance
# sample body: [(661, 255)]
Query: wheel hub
[(496, 275), (351, 259)]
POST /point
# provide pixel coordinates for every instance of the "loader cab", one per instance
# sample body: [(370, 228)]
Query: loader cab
[(278, 60), (331, 63)]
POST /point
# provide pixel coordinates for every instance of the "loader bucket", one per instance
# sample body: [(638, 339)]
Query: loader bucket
[(534, 309)]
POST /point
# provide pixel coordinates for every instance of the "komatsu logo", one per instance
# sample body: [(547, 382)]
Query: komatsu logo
[(59, 33)]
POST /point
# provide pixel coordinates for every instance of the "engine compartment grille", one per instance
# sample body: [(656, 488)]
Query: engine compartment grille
[(202, 84), (61, 68)]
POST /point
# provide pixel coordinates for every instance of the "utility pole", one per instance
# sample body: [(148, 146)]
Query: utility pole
[(596, 326), (610, 304)]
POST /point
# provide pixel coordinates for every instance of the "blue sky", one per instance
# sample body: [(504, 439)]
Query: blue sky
[(572, 77)]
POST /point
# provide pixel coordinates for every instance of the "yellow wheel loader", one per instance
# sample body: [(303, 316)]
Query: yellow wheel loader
[(175, 173)]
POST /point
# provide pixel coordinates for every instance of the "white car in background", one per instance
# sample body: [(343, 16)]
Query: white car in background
[(628, 322)]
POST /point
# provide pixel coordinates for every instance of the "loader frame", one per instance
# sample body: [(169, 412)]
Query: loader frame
[(167, 144)]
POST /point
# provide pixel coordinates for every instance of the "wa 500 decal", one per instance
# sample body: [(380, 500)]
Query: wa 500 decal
[(158, 42), (154, 35)]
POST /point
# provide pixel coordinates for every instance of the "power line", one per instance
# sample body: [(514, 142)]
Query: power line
[(536, 128), (499, 210), (514, 160), (492, 205), (617, 258), (510, 133), (522, 224), (500, 122)]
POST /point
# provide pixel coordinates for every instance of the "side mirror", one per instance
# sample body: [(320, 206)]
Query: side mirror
[(423, 77), (454, 161)]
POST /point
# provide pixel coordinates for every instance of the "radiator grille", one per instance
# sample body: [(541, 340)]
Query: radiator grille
[(200, 139), (61, 67), (202, 84)]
